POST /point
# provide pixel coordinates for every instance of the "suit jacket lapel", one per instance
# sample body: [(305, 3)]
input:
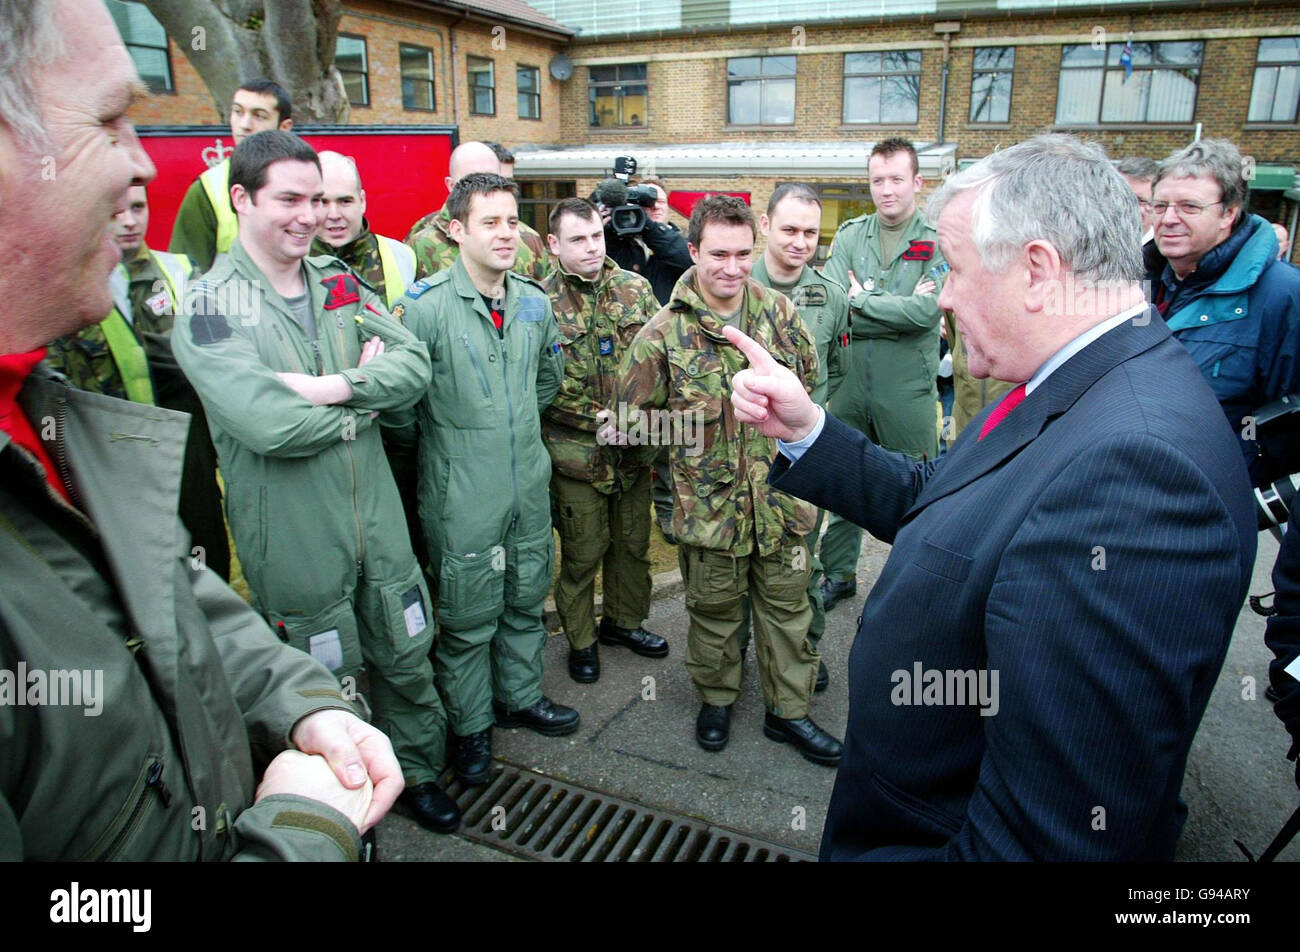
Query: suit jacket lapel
[(972, 457)]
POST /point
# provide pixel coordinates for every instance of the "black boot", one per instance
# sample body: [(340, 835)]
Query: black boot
[(712, 726), (642, 642), (473, 760), (431, 807), (584, 664), (813, 742)]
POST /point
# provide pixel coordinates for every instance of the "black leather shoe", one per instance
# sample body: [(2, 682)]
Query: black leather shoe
[(584, 664), (823, 678), (545, 717), (473, 760), (813, 742), (834, 592), (431, 807), (642, 642), (713, 725)]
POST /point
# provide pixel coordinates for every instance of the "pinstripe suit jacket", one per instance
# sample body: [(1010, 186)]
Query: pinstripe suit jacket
[(1094, 550)]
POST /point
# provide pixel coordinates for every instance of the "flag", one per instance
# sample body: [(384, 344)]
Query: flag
[(1126, 59)]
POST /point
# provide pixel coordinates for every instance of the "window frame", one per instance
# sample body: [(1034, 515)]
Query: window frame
[(432, 82), (472, 86), (132, 45), (994, 72), (763, 81), (1107, 68), (364, 72), (1276, 66), (882, 73), (615, 88), (535, 95)]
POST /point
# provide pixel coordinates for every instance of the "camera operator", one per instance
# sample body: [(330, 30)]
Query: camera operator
[(637, 233)]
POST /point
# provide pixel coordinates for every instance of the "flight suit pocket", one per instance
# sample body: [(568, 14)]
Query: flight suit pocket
[(400, 619), (471, 588), (531, 559), (330, 636)]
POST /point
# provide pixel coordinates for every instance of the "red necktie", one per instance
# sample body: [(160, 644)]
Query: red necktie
[(1009, 403)]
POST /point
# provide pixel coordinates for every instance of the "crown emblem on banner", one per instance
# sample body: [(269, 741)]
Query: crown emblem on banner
[(214, 154)]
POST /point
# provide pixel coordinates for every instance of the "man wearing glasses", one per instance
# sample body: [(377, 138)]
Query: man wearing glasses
[(1214, 277)]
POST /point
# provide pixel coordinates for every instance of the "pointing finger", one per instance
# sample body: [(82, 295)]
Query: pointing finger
[(759, 359)]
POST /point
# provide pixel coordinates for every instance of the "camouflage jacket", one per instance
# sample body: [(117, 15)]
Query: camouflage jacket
[(680, 362), (435, 249), (597, 320), (361, 254)]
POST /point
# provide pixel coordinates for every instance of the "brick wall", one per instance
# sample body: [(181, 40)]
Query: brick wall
[(688, 101)]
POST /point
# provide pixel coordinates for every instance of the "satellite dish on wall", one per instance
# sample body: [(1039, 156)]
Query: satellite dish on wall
[(561, 67)]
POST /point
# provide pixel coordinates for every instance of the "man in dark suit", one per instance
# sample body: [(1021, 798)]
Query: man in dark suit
[(1033, 663)]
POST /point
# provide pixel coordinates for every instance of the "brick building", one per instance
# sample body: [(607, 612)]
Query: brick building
[(711, 94)]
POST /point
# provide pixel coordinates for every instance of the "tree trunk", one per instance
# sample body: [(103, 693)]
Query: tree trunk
[(290, 41)]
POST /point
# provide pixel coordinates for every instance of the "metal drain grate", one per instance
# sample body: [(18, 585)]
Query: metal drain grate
[(546, 819)]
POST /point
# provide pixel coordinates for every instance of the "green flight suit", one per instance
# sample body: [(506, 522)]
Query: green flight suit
[(484, 473), (824, 306), (195, 692), (891, 396), (311, 500), (388, 266), (737, 535), (435, 249), (601, 494)]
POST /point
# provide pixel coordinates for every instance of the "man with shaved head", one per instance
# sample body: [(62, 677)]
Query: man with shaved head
[(384, 263), (436, 250)]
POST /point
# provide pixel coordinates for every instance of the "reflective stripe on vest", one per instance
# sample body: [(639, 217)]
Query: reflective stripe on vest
[(216, 183), (175, 269), (129, 356), (398, 261)]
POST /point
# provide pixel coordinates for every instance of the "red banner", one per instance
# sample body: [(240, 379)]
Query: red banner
[(684, 202), (402, 170)]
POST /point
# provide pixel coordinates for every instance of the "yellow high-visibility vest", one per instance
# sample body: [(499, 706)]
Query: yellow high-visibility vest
[(398, 261), (216, 185)]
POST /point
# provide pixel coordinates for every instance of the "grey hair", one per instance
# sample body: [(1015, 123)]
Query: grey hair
[(1053, 188), (29, 39), (1217, 158), (1137, 167)]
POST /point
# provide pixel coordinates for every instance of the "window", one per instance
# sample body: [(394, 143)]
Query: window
[(760, 90), (537, 198), (146, 41), (840, 202), (482, 87), (990, 84), (1162, 88), (528, 85), (617, 96), (1276, 92), (417, 77), (350, 58), (882, 87)]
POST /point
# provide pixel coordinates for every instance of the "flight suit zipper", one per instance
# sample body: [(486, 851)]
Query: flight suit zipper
[(477, 365), (153, 786)]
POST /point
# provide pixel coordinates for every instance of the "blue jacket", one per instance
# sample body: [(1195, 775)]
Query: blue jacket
[(1238, 314)]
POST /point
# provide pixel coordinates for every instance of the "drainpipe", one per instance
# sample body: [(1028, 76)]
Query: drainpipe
[(945, 29), (455, 72)]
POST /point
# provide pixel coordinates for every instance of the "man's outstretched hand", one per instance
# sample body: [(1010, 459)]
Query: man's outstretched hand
[(768, 396)]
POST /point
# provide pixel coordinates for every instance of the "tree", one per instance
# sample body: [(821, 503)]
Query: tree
[(290, 41)]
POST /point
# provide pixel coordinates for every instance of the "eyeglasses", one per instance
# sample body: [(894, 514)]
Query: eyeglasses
[(1181, 209)]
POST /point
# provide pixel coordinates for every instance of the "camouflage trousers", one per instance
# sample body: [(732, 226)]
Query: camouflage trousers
[(717, 584), (817, 627), (605, 532)]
